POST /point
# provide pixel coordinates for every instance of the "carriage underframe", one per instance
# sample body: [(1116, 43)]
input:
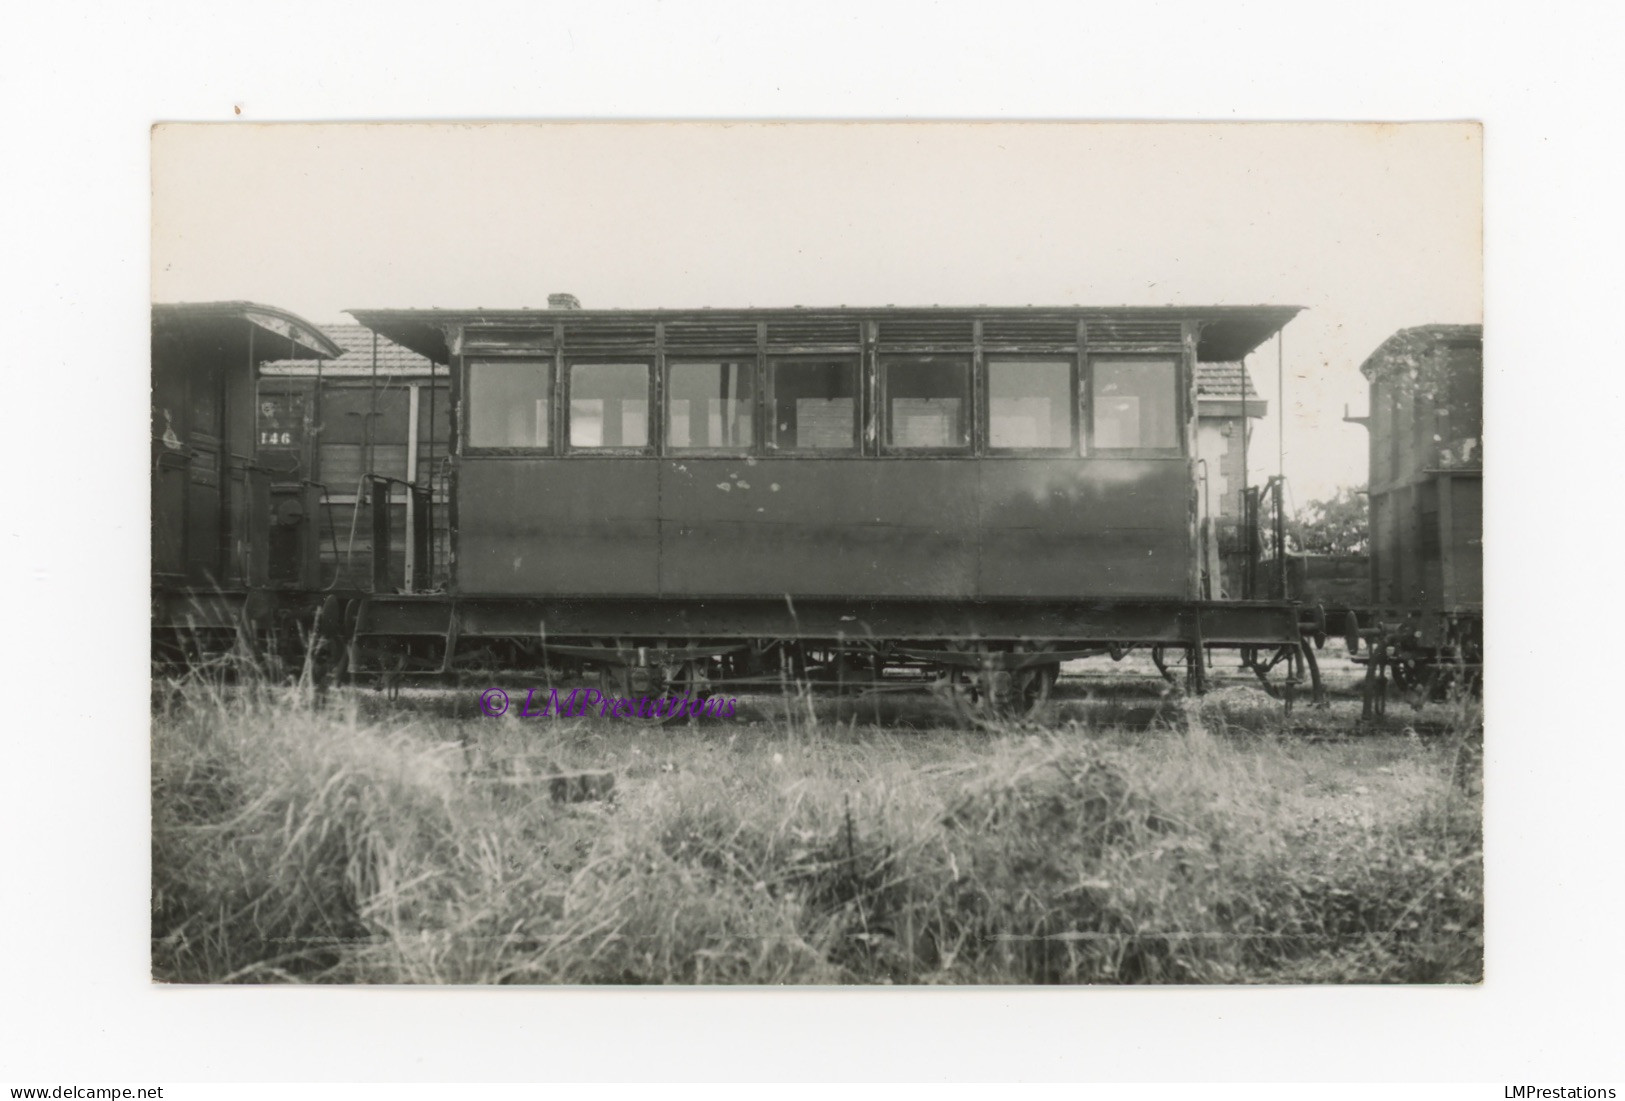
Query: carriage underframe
[(990, 658)]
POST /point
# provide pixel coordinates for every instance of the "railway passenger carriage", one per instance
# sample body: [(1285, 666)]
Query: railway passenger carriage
[(212, 510), (968, 496)]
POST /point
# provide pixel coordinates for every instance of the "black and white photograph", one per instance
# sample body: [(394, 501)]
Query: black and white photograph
[(817, 553), (900, 543)]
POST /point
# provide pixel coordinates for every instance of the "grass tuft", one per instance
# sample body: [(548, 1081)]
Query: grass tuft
[(299, 838)]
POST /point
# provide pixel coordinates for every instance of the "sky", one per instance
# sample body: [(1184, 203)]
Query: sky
[(1371, 227)]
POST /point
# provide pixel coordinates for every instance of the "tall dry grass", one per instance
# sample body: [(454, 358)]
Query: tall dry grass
[(305, 840)]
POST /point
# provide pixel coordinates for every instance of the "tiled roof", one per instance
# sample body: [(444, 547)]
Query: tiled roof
[(1219, 380), (356, 340)]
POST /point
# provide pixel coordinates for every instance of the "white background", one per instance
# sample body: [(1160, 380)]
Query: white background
[(80, 86)]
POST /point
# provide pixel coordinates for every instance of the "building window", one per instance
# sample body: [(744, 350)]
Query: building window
[(1135, 404), (711, 406), (609, 405), (509, 403), (814, 404), (1029, 404), (926, 399)]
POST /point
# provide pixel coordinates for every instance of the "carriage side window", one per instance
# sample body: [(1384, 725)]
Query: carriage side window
[(510, 403), (711, 406), (926, 399), (1029, 403), (814, 404), (1135, 404), (609, 405)]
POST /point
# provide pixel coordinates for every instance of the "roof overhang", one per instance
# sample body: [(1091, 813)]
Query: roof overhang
[(1227, 333), (1231, 333), (299, 333)]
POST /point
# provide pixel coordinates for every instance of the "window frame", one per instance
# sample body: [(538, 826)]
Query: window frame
[(1181, 400), (566, 414), (853, 361), (465, 399), (757, 444), (883, 360), (1076, 396), (868, 372)]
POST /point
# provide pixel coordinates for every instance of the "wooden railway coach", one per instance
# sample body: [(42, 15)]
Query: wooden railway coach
[(971, 495), (1426, 423), (211, 497)]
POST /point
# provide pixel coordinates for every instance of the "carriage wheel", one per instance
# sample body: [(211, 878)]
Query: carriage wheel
[(616, 679), (1262, 669), (1298, 660), (1407, 673), (692, 678), (989, 697)]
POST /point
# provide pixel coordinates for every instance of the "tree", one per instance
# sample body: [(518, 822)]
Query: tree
[(1341, 524)]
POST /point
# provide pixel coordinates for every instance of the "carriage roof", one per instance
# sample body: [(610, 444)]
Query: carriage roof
[(1227, 333)]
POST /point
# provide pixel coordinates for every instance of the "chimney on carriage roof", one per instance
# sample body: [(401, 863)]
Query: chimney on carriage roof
[(563, 302)]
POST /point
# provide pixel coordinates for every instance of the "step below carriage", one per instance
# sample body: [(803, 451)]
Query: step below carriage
[(698, 501)]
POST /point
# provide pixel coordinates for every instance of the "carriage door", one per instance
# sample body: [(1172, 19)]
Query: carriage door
[(280, 439), (205, 512)]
